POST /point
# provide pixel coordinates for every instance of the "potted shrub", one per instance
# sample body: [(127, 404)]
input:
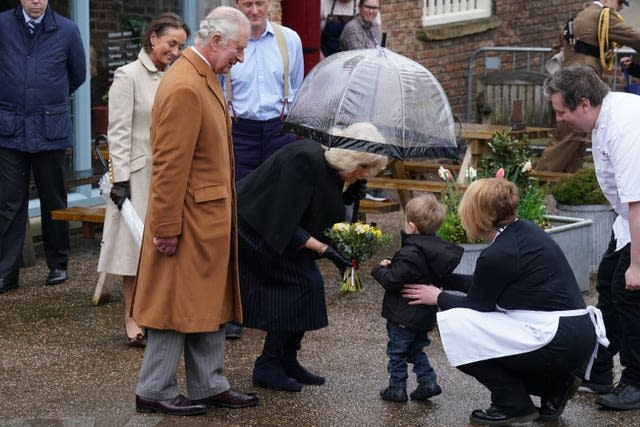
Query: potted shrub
[(509, 158), (579, 195)]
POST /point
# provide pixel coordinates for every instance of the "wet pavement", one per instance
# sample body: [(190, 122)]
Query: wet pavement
[(63, 363)]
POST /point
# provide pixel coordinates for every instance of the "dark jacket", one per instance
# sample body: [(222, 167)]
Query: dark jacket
[(523, 269), (293, 188), (38, 74), (421, 259)]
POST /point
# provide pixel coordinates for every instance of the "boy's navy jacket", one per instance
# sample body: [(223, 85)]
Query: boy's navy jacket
[(421, 259)]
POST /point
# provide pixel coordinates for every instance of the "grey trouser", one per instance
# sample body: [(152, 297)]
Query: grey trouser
[(203, 360)]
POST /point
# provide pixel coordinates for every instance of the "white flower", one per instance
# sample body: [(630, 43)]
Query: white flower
[(442, 173), (527, 166), (471, 173), (360, 228), (445, 174)]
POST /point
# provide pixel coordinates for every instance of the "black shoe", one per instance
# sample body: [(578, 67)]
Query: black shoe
[(8, 284), (178, 405), (57, 276), (598, 383), (299, 373), (624, 397), (233, 331), (551, 408), (394, 394), (425, 391), (495, 417), (231, 399), (272, 376)]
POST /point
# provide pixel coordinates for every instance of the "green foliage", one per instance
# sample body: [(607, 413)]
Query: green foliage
[(513, 156), (451, 228), (581, 188), (532, 205)]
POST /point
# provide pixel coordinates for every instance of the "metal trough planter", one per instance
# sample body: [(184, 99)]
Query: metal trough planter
[(573, 235), (602, 217)]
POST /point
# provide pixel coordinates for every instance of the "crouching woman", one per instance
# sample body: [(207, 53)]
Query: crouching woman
[(522, 327)]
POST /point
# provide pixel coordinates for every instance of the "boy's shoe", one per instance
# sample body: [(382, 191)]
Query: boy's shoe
[(598, 383), (426, 390), (394, 394)]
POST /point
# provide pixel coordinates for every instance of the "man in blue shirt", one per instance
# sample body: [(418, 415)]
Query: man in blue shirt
[(42, 62), (258, 102)]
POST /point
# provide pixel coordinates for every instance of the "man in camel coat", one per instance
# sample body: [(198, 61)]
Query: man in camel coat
[(187, 283)]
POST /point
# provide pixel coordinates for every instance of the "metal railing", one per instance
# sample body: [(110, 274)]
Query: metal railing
[(534, 60), (527, 52)]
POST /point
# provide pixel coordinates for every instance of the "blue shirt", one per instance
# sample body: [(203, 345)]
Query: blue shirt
[(257, 83)]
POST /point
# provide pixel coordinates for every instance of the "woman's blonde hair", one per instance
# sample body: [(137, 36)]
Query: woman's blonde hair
[(426, 212), (488, 203), (348, 160), (345, 160)]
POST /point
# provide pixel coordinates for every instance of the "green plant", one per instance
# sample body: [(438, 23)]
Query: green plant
[(509, 158), (513, 155), (581, 188)]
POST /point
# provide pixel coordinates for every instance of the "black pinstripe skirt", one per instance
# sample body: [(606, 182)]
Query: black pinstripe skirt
[(279, 292)]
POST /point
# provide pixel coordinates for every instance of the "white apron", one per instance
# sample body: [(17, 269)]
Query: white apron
[(470, 336)]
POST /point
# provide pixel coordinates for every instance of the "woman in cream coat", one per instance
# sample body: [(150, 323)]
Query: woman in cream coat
[(130, 101)]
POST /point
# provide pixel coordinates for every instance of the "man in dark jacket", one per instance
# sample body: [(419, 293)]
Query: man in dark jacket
[(42, 62), (422, 258)]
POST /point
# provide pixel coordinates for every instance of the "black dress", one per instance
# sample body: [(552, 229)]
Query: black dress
[(292, 195)]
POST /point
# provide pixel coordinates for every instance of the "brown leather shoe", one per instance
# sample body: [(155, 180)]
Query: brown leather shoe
[(231, 399), (178, 405)]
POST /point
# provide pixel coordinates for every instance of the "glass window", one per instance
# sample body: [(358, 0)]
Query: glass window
[(437, 12)]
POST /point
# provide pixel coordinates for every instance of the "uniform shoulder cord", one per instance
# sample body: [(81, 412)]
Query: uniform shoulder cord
[(607, 52)]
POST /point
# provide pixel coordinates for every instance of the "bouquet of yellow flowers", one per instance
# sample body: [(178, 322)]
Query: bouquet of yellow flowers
[(356, 242)]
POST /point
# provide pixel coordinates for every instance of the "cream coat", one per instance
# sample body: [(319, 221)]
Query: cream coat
[(130, 101), (192, 196)]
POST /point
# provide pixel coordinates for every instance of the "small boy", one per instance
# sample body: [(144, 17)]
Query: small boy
[(422, 258)]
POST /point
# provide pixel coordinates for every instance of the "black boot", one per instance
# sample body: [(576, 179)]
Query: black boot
[(268, 371), (292, 367)]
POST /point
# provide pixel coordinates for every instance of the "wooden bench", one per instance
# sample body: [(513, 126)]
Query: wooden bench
[(72, 179), (429, 167), (92, 219)]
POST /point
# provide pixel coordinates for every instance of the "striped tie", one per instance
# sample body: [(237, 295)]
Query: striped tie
[(32, 26)]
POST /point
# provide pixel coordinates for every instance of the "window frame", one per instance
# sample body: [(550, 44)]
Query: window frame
[(481, 9)]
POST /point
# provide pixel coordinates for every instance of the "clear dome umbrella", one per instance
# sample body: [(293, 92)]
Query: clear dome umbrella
[(397, 99)]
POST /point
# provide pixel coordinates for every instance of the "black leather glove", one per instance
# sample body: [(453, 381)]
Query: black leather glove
[(334, 256), (355, 191), (120, 191)]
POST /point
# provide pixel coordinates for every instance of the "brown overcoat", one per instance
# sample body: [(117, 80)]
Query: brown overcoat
[(192, 196)]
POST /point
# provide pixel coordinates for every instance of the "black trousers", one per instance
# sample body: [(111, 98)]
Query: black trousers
[(544, 372), (48, 172), (621, 312)]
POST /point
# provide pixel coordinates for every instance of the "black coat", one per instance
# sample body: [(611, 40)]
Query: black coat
[(523, 269), (280, 283), (293, 188), (421, 259)]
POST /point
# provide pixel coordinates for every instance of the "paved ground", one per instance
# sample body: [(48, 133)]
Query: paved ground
[(63, 363)]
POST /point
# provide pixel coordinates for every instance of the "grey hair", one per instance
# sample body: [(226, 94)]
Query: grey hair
[(576, 83), (348, 160), (223, 20)]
